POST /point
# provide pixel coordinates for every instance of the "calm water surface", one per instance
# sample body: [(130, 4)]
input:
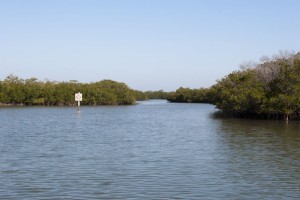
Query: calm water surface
[(153, 150)]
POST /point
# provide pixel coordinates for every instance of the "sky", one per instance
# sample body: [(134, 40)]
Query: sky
[(147, 44)]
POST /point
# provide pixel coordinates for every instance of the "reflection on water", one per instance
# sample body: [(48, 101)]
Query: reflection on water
[(261, 155), (153, 150)]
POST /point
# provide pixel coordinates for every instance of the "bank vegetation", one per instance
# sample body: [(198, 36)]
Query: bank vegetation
[(269, 89), (17, 91)]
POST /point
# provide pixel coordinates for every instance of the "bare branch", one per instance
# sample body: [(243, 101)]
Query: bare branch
[(247, 65)]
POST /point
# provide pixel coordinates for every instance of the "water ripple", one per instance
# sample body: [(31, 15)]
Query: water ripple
[(153, 150)]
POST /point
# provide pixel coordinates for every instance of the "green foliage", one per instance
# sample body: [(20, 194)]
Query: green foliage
[(187, 95), (270, 90), (239, 92), (160, 94), (139, 95), (16, 91)]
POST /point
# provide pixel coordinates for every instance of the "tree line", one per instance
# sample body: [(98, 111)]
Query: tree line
[(17, 91), (141, 96), (187, 95), (269, 89)]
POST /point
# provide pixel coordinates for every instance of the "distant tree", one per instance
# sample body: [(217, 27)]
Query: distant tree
[(139, 95), (14, 90), (187, 95), (160, 94)]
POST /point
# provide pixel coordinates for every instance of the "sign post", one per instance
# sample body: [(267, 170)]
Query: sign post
[(78, 98)]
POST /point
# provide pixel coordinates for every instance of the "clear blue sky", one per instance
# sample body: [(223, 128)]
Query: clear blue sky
[(147, 44)]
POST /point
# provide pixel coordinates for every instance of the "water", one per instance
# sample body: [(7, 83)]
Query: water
[(153, 150)]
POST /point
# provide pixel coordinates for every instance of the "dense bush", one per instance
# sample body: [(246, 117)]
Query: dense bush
[(187, 95), (160, 94), (268, 90), (16, 91)]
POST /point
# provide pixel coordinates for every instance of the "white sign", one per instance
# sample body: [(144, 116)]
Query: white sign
[(78, 96)]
